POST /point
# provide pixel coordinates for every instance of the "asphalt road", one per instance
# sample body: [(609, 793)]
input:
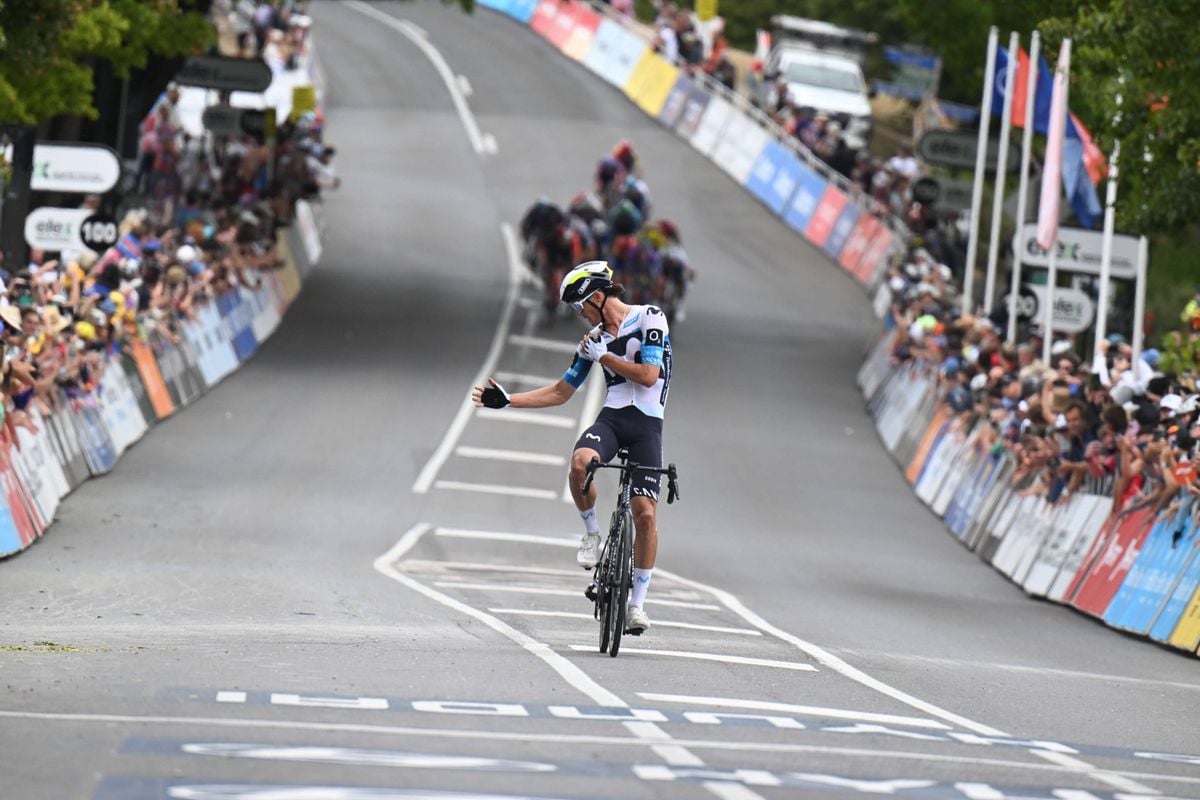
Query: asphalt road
[(328, 580)]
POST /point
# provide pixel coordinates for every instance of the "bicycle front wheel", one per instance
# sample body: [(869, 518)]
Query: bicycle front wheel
[(621, 578), (604, 606)]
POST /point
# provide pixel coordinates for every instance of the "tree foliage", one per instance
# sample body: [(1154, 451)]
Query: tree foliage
[(1154, 45), (48, 49)]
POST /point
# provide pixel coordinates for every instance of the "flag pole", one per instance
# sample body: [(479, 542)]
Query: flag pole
[(1110, 214), (989, 287), (1035, 46), (985, 114), (1139, 298)]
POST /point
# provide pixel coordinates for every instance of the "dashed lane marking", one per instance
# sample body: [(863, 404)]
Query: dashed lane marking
[(492, 488), (442, 567), (503, 536), (1104, 776), (500, 587), (463, 415), (744, 660), (515, 456), (528, 612), (817, 711), (537, 342), (526, 417), (231, 697)]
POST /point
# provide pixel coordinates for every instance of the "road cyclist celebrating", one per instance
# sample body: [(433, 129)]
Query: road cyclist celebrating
[(632, 344)]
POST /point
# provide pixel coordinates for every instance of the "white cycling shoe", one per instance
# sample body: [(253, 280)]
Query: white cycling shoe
[(589, 550), (636, 621)]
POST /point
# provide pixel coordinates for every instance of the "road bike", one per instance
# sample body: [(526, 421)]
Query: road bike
[(613, 576)]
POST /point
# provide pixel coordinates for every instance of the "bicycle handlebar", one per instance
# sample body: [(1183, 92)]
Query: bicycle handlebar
[(669, 470)]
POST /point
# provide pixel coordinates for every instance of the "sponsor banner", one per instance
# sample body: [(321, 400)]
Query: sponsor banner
[(38, 467), (877, 366), (941, 459), (1186, 633), (119, 408), (633, 85), (583, 34), (742, 143), (937, 426), (208, 339), (825, 215), (288, 276), (77, 168), (93, 437), (1082, 552), (129, 366), (993, 501), (17, 521), (693, 112), (151, 379), (846, 222), (310, 235), (712, 124), (520, 10), (673, 106), (1068, 527), (876, 256), (774, 176), (545, 22), (614, 54), (956, 473), (1113, 563), (978, 489), (184, 382), (238, 319), (266, 312), (1184, 588), (56, 229), (809, 191), (1162, 562), (857, 242), (65, 442), (657, 82)]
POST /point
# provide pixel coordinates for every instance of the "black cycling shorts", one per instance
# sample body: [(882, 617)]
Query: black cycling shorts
[(627, 427)]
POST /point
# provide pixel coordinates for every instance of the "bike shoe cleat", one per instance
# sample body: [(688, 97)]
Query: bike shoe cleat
[(589, 550), (636, 621)]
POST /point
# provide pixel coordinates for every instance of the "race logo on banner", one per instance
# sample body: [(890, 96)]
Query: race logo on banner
[(857, 243), (811, 187), (842, 228), (239, 322), (97, 447), (672, 109), (774, 177)]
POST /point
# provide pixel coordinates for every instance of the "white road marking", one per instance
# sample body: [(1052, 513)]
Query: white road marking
[(743, 660), (551, 738), (731, 791), (360, 757), (231, 697), (537, 342), (464, 85), (525, 379), (490, 145), (433, 466), (516, 456), (593, 398), (670, 752), (788, 708), (528, 612), (503, 536), (500, 587), (823, 656), (572, 674), (467, 566), (526, 417), (418, 37), (1104, 776), (492, 488), (1017, 668)]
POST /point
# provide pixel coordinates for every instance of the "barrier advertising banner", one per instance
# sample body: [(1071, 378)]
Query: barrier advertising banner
[(825, 215), (693, 111), (774, 176), (209, 340), (93, 437), (1068, 527), (1144, 592), (809, 190), (708, 132), (676, 100), (740, 146), (876, 255), (1186, 634), (1181, 592), (846, 222), (579, 44), (151, 379), (38, 467), (1113, 563), (68, 450), (857, 242), (544, 18), (119, 409), (652, 82), (239, 320)]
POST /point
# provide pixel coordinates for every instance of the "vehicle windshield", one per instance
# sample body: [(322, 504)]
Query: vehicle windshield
[(826, 78)]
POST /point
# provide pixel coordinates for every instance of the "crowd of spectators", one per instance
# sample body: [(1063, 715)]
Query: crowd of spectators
[(198, 217), (1111, 426)]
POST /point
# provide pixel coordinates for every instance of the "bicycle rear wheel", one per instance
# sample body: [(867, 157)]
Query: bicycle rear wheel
[(621, 577)]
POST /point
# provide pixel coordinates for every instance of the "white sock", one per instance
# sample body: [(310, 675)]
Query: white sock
[(589, 520), (641, 582)]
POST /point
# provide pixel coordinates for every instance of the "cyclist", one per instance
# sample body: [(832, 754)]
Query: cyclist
[(632, 344)]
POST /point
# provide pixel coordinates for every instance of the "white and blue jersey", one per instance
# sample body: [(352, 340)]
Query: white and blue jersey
[(643, 338)]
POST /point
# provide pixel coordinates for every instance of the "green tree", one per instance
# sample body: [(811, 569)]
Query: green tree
[(48, 49)]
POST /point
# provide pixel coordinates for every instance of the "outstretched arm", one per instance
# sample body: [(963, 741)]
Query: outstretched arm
[(553, 395)]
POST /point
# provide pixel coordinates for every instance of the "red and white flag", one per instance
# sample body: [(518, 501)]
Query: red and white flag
[(1047, 225)]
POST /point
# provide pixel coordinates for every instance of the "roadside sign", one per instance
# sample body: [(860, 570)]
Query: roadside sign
[(225, 73), (1079, 250), (1074, 311), (78, 168), (99, 232), (304, 98), (706, 9), (224, 120), (945, 194), (55, 229), (957, 149)]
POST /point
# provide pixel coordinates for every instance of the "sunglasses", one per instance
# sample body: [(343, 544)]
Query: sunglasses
[(577, 307)]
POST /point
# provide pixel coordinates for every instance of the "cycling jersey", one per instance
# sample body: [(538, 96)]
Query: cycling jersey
[(643, 338)]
